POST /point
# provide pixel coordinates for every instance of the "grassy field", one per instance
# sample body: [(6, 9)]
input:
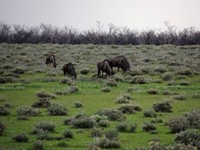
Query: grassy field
[(168, 70)]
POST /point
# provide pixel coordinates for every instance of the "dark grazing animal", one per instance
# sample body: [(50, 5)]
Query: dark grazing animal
[(51, 60), (104, 66), (70, 70), (119, 62)]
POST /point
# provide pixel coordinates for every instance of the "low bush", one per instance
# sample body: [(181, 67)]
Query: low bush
[(156, 121), (106, 89), (178, 124), (42, 134), (73, 89), (152, 91), (109, 144), (138, 80), (21, 137), (122, 99), (122, 126), (129, 108), (2, 128), (104, 123), (4, 111), (38, 145), (179, 97), (160, 69), (163, 106), (85, 71), (44, 94), (167, 76), (196, 96), (193, 118), (67, 81), (112, 134), (185, 71), (148, 126), (27, 111), (149, 113), (112, 114), (78, 104), (132, 127), (57, 110), (83, 121), (68, 134), (45, 126), (111, 82), (184, 83), (19, 70), (178, 146), (189, 137), (95, 132), (7, 79), (118, 78), (42, 103)]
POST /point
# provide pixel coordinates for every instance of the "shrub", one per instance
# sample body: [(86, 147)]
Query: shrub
[(156, 146), (103, 123), (160, 69), (112, 114), (112, 135), (129, 108), (27, 111), (7, 79), (149, 113), (83, 121), (44, 94), (42, 103), (162, 106), (152, 91), (196, 96), (123, 99), (184, 83), (118, 78), (191, 137), (4, 111), (99, 118), (38, 145), (122, 126), (179, 97), (148, 126), (67, 81), (194, 119), (45, 126), (178, 124), (62, 144), (156, 121), (73, 89), (42, 135), (131, 89), (22, 137), (57, 110), (111, 82), (167, 76), (19, 70), (186, 72), (85, 71), (68, 134), (7, 104), (138, 80), (177, 146), (106, 89), (78, 104), (109, 144), (2, 128), (95, 132), (132, 127)]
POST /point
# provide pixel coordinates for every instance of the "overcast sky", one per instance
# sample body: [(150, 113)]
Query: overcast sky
[(84, 14)]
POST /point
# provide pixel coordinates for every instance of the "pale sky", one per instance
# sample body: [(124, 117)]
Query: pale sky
[(84, 14)]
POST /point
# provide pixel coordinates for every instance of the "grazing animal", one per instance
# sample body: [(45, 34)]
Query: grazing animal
[(104, 66), (70, 70), (119, 62), (51, 60)]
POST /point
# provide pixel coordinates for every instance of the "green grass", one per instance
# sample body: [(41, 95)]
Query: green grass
[(21, 93)]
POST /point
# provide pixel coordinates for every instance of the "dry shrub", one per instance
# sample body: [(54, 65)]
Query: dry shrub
[(138, 80), (111, 82)]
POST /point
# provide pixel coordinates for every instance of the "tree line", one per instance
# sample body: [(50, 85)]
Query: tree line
[(47, 33)]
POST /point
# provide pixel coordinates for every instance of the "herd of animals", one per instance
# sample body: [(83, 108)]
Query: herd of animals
[(105, 66)]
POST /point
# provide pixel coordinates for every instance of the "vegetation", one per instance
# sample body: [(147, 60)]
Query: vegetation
[(64, 113)]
